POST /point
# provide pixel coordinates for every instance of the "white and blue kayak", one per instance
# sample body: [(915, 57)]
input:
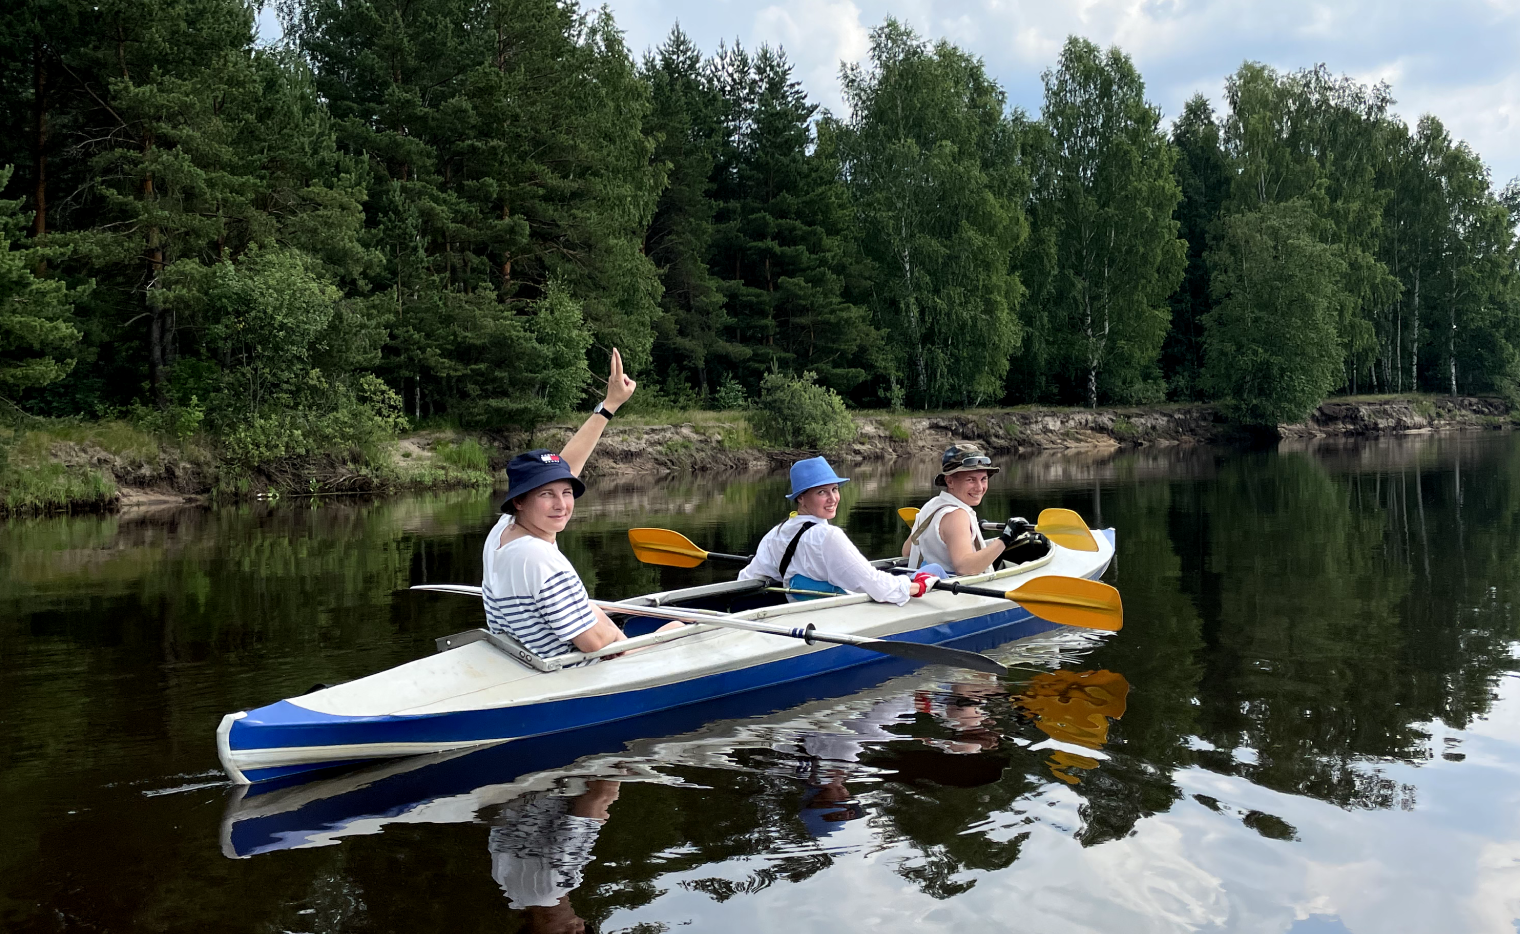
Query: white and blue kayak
[(481, 689)]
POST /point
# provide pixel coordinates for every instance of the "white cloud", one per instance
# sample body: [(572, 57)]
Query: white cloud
[(1454, 59), (817, 36)]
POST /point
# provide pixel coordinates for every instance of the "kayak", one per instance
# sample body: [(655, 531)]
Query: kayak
[(856, 722), (479, 689)]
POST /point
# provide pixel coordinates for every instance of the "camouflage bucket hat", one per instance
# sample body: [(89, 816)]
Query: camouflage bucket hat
[(961, 457)]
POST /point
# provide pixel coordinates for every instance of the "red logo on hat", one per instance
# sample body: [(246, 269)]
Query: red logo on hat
[(549, 458)]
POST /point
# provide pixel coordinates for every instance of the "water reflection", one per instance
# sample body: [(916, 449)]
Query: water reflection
[(539, 846), (1315, 719), (1073, 708), (856, 774)]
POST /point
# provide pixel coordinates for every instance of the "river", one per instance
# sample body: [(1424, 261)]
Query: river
[(1310, 722)]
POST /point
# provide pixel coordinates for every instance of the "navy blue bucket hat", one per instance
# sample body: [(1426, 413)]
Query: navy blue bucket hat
[(815, 471), (527, 472)]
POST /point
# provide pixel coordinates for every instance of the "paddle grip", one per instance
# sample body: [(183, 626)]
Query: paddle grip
[(973, 590)]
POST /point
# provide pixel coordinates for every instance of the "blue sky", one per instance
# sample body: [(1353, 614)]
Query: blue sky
[(1458, 59)]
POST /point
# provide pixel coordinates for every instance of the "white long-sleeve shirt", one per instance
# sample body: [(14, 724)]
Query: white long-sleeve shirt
[(824, 554)]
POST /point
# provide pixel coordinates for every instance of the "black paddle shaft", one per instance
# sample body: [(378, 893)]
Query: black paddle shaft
[(971, 589), (916, 652)]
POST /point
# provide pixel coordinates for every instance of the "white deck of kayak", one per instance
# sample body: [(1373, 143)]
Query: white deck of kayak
[(480, 676)]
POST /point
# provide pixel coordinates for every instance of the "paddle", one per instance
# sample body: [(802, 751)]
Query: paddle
[(912, 651), (1062, 526), (1075, 602), (1070, 601), (673, 550)]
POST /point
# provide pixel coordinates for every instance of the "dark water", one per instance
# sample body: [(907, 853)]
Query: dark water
[(1311, 723)]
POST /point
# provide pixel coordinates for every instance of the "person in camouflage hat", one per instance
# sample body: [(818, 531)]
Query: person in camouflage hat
[(948, 531)]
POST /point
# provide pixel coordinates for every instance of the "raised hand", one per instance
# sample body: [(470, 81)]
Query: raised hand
[(619, 385)]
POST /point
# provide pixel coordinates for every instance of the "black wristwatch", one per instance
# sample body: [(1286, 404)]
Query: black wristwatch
[(602, 410)]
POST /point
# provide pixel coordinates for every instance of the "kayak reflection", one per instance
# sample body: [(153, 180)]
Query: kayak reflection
[(830, 758), (923, 762)]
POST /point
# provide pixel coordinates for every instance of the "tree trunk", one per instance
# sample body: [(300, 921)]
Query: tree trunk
[(39, 139), (506, 259), (1451, 348), (1414, 337), (158, 325)]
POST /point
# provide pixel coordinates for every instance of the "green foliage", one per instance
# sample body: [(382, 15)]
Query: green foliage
[(683, 119), (506, 156), (796, 412), (1271, 348), (466, 454), (1105, 254), (730, 395), (36, 332), (176, 421), (332, 416), (932, 163), (678, 447), (1203, 177), (784, 244), (740, 437), (454, 209), (48, 486), (1451, 244), (33, 481), (1321, 140)]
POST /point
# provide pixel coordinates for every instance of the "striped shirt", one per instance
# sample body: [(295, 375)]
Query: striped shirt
[(533, 594)]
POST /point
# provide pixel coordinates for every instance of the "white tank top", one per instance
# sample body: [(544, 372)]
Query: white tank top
[(930, 547)]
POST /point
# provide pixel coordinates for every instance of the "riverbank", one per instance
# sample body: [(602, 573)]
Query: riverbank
[(717, 441), (73, 467)]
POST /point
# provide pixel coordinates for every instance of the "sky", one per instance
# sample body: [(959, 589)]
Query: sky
[(1457, 59)]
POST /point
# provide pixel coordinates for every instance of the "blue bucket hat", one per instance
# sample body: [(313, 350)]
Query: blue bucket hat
[(815, 471), (527, 472)]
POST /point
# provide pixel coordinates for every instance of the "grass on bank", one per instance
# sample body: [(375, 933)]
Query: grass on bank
[(35, 479), (65, 465)]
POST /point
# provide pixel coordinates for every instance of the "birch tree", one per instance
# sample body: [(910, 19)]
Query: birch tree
[(1108, 254), (930, 154)]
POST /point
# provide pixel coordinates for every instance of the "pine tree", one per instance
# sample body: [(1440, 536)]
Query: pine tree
[(1203, 178), (36, 331), (506, 148), (780, 248), (684, 119)]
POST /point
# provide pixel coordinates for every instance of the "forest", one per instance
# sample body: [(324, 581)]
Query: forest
[(412, 212)]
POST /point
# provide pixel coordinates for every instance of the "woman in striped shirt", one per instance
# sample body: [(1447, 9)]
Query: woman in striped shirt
[(531, 591)]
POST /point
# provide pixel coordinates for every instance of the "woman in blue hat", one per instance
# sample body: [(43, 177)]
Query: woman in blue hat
[(807, 550), (530, 589)]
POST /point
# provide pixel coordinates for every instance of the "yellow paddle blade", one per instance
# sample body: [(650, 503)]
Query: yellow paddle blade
[(666, 548), (1072, 601), (1066, 529), (908, 514)]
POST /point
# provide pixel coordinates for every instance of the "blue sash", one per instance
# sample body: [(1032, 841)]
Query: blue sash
[(822, 588)]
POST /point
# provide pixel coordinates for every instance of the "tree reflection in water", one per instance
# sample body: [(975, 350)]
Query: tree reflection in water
[(1317, 631), (909, 751)]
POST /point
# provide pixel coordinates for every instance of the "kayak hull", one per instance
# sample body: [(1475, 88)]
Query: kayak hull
[(477, 694)]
